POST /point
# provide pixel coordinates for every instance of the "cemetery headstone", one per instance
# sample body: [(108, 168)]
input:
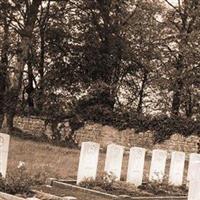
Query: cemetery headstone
[(194, 191), (158, 162), (114, 157), (136, 165), (194, 183), (177, 168), (88, 161), (194, 157), (4, 148)]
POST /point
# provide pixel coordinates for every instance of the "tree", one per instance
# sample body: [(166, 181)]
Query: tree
[(26, 23), (104, 44), (4, 53), (144, 33), (182, 27)]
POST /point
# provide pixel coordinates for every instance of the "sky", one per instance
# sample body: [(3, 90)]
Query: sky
[(174, 2)]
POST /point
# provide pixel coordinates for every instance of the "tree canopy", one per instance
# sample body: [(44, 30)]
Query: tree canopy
[(88, 60)]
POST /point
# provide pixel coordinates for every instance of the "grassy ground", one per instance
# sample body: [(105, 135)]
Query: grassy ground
[(69, 192), (88, 196), (58, 162)]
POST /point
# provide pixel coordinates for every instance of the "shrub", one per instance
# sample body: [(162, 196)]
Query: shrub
[(20, 181), (108, 183), (104, 182), (163, 189)]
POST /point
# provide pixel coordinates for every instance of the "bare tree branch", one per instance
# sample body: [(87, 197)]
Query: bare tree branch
[(171, 5)]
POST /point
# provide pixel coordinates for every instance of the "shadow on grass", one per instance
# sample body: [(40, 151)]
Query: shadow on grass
[(42, 138)]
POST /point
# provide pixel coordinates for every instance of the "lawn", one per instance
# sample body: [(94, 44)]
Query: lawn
[(58, 162), (43, 157)]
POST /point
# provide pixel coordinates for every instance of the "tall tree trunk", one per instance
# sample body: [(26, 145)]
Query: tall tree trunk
[(111, 51), (41, 69), (15, 81), (43, 26), (176, 102), (30, 88), (178, 87), (15, 77), (3, 67), (141, 92), (189, 105)]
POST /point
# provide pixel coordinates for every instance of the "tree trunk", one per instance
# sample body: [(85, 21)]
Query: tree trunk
[(15, 80), (30, 88), (41, 70), (3, 67), (178, 87), (189, 105), (141, 93), (15, 77), (176, 102), (43, 26)]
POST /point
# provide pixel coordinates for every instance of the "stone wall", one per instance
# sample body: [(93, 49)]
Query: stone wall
[(33, 125), (107, 134), (128, 138), (41, 127)]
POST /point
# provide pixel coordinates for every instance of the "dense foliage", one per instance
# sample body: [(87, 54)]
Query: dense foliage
[(132, 63)]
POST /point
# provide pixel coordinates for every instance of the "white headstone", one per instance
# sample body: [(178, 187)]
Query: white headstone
[(4, 148), (194, 157), (177, 168), (114, 157), (136, 165), (158, 162), (194, 183), (194, 191), (88, 161)]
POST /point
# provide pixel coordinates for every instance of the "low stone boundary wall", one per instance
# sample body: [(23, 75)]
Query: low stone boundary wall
[(129, 138), (30, 124), (107, 134)]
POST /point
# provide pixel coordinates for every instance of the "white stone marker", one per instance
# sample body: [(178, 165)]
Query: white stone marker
[(194, 191), (4, 147), (194, 157), (177, 168), (136, 165), (158, 162), (194, 184), (88, 161), (114, 157)]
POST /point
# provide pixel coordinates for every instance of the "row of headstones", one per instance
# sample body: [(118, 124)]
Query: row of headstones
[(89, 155), (89, 160)]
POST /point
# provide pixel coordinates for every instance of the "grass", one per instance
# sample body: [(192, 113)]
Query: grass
[(62, 162), (69, 192), (58, 162)]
